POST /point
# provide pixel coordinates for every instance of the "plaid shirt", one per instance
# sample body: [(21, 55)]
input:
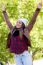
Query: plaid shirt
[(16, 45)]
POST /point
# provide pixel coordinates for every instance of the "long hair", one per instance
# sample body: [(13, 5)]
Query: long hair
[(15, 30), (23, 26)]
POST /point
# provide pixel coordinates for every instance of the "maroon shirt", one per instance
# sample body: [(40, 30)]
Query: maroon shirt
[(17, 45)]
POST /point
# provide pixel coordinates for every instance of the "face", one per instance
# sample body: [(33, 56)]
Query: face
[(18, 24)]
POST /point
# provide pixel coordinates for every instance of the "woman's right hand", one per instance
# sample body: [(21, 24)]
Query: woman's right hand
[(3, 7)]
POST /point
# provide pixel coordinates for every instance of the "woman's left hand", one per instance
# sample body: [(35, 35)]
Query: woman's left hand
[(40, 5)]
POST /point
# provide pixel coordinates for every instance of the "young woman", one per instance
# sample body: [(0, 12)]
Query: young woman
[(18, 38)]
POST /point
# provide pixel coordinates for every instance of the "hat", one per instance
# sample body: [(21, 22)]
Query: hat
[(23, 20)]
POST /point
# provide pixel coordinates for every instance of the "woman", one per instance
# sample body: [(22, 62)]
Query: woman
[(18, 39)]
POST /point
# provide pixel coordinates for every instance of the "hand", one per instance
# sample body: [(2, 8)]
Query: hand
[(40, 5), (3, 7)]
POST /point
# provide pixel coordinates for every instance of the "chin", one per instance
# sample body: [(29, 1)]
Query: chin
[(18, 27)]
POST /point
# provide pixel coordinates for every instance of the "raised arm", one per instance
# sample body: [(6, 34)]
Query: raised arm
[(33, 20), (6, 18)]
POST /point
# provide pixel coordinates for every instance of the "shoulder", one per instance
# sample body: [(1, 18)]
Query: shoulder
[(26, 30), (9, 36)]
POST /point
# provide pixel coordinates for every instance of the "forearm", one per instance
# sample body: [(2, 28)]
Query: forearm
[(33, 20), (7, 20)]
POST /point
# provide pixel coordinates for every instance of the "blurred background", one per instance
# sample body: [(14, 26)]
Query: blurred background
[(24, 9)]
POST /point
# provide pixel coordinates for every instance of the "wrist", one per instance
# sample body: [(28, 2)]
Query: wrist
[(4, 11), (39, 7)]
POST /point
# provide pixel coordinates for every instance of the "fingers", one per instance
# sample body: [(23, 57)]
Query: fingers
[(40, 5), (3, 7)]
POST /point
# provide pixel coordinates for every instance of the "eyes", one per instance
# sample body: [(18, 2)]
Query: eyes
[(19, 22)]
